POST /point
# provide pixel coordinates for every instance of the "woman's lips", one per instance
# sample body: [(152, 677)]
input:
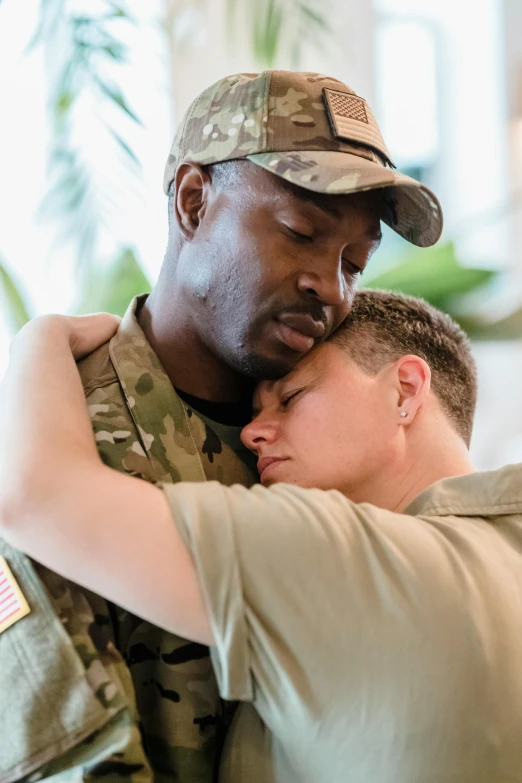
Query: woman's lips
[(266, 462)]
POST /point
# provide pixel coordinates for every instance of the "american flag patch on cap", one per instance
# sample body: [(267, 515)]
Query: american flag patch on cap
[(13, 605), (349, 106)]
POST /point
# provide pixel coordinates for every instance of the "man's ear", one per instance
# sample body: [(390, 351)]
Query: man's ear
[(190, 202), (413, 383)]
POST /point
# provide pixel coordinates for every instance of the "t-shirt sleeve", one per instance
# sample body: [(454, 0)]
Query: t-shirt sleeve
[(280, 568), (351, 628)]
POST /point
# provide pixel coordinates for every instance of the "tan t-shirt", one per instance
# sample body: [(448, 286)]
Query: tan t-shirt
[(375, 646)]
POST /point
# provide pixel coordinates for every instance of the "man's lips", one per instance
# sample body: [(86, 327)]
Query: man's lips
[(265, 463), (300, 331)]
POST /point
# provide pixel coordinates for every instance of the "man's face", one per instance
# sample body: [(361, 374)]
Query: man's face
[(327, 424), (273, 269)]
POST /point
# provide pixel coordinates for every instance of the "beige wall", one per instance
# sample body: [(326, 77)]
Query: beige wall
[(513, 64), (498, 431)]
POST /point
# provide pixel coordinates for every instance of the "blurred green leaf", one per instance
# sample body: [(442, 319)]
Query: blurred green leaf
[(116, 95), (111, 289), (50, 14), (16, 309), (274, 23), (507, 328), (64, 101), (124, 146), (434, 274), (231, 11), (116, 50), (314, 16), (119, 9), (267, 32)]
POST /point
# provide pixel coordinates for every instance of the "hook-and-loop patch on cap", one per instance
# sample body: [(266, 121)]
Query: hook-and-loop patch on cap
[(351, 119)]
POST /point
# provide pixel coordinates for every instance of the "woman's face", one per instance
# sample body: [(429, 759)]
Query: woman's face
[(326, 424)]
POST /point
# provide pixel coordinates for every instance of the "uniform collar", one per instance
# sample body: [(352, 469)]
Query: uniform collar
[(479, 494), (158, 413)]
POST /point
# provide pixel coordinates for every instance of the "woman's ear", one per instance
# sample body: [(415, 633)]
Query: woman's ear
[(191, 196), (413, 382)]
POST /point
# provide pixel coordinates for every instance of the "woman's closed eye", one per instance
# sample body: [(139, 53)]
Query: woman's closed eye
[(287, 398)]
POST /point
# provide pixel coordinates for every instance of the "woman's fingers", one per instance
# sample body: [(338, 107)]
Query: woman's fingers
[(88, 332), (85, 333)]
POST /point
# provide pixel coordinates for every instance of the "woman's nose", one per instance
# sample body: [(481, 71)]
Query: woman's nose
[(260, 430)]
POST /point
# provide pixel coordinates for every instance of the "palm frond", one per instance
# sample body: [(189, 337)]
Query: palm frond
[(83, 52)]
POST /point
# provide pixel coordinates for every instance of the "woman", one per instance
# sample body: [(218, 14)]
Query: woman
[(361, 616)]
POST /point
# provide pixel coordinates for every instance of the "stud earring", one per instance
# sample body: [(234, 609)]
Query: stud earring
[(403, 414)]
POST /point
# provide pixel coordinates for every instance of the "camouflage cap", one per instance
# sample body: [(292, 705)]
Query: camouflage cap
[(311, 130)]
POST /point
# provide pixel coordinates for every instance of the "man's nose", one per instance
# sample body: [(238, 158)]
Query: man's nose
[(328, 285), (260, 431)]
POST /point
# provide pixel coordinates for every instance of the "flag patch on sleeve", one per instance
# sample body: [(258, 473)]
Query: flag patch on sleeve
[(13, 605)]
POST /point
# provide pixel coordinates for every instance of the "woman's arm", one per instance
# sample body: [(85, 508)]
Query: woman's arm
[(58, 503)]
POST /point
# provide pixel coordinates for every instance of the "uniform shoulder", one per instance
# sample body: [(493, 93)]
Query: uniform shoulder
[(97, 370)]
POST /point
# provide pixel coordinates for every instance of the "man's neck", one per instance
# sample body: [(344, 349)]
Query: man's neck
[(189, 363)]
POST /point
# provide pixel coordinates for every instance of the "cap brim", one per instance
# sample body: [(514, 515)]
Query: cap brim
[(408, 206)]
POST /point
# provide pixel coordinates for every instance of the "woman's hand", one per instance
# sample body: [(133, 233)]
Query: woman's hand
[(88, 332), (85, 333)]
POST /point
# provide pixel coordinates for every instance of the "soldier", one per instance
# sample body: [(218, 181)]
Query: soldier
[(277, 184)]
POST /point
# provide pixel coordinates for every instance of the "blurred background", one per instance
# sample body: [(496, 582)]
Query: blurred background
[(91, 91)]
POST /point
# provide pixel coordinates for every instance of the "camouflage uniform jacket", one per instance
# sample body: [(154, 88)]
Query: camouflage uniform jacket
[(69, 671), (143, 428), (68, 710)]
